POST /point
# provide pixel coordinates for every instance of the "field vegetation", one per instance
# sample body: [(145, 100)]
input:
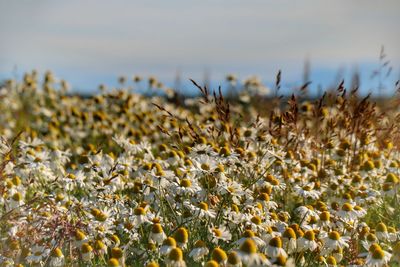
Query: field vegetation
[(249, 178)]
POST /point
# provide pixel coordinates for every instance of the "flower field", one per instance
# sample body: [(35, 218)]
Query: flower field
[(127, 179)]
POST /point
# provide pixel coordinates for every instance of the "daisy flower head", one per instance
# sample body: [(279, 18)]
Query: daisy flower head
[(199, 251), (369, 239), (325, 219), (338, 254), (275, 184), (157, 234), (307, 242), (182, 237), (289, 239), (232, 189), (219, 233), (167, 245), (331, 261), (139, 216), (264, 199), (86, 252), (202, 149), (187, 186), (100, 247), (381, 231), (347, 213), (333, 241), (204, 211), (377, 257), (274, 248), (15, 201), (307, 191), (249, 234), (118, 254), (39, 254), (114, 241), (204, 164), (393, 234), (80, 238), (248, 253), (305, 212)]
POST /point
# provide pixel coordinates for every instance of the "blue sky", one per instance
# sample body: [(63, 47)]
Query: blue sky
[(93, 42)]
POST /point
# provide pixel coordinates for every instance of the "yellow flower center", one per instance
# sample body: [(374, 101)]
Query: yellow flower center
[(325, 216), (152, 264), (217, 232), (235, 208), (175, 254), (205, 167), (220, 168), (387, 187), (263, 197), (368, 165), (17, 197), (71, 176), (225, 151), (57, 253), (310, 235), (199, 244), (79, 235), (378, 254), (16, 181), (181, 235), (113, 262), (86, 248), (307, 188), (101, 217), (347, 207), (256, 220), (381, 227), (281, 260), (219, 255), (276, 242), (331, 260), (211, 263), (248, 246), (157, 229), (203, 206), (334, 235), (115, 239), (117, 253), (392, 178), (170, 241), (185, 183), (233, 258), (374, 247), (289, 233), (99, 245), (371, 237), (139, 211), (248, 234)]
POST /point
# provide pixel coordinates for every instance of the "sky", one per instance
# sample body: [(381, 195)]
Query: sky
[(89, 42)]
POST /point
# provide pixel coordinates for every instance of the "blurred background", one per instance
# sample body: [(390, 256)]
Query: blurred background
[(96, 41)]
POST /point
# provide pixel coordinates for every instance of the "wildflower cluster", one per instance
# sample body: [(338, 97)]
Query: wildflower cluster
[(121, 179)]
